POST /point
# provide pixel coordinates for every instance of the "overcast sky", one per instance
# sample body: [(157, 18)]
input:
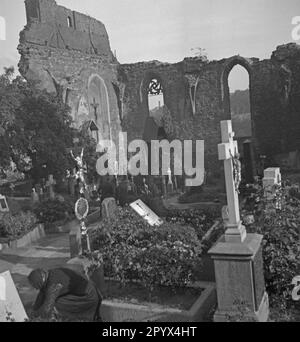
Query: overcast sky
[(167, 30)]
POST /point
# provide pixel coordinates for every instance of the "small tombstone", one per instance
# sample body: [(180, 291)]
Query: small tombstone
[(11, 307), (146, 213), (271, 180), (108, 208), (50, 185), (35, 196), (237, 256), (3, 204), (39, 190)]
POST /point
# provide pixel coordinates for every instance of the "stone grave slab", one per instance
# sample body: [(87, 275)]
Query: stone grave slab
[(108, 208), (146, 213)]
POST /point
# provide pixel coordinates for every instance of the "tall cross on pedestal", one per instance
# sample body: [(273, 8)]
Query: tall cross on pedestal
[(227, 151), (95, 106)]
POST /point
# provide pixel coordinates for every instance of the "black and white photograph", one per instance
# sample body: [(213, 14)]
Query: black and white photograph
[(149, 163)]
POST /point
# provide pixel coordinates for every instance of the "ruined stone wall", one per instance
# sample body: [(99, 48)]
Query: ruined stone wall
[(197, 94), (176, 79), (69, 52), (74, 59)]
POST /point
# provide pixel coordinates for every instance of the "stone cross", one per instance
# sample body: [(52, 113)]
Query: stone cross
[(50, 184), (227, 149), (108, 208)]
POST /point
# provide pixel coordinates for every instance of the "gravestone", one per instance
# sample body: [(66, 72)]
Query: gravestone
[(50, 185), (237, 255), (3, 205), (146, 213), (34, 196), (271, 181), (11, 307), (108, 208)]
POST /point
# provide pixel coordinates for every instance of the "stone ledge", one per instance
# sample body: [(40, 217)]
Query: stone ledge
[(113, 311), (29, 238)]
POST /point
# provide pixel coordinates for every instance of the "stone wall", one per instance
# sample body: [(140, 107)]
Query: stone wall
[(69, 52), (197, 94), (73, 59)]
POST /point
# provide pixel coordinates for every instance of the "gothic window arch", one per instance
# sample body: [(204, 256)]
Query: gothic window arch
[(70, 22)]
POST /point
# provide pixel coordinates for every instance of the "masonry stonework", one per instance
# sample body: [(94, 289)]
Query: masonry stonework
[(69, 52)]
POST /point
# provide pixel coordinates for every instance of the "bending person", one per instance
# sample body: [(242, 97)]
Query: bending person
[(67, 293)]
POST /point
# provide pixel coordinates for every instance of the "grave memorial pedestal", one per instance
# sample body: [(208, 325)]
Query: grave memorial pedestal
[(237, 255), (239, 279)]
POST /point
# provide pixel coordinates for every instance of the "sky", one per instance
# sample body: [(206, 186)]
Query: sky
[(168, 30)]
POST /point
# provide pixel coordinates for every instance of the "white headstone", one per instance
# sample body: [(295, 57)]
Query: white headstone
[(11, 307), (227, 149), (271, 180), (146, 213)]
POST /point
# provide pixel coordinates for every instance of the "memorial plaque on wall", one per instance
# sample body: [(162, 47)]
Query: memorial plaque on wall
[(258, 275)]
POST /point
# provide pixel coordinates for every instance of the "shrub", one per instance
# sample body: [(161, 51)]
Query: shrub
[(156, 204), (200, 220), (14, 226), (135, 251), (279, 226), (53, 210)]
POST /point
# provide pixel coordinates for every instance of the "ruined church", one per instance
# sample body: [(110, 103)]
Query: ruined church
[(69, 53)]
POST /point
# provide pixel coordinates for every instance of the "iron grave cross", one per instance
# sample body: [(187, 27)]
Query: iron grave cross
[(227, 151)]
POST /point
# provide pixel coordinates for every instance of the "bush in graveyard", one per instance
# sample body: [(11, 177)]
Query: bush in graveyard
[(134, 251), (51, 211), (155, 204), (281, 250), (200, 220), (14, 226), (35, 128)]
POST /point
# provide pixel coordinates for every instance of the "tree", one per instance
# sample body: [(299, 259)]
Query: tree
[(35, 128), (90, 156)]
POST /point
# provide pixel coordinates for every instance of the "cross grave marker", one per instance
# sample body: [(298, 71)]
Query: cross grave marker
[(227, 150)]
